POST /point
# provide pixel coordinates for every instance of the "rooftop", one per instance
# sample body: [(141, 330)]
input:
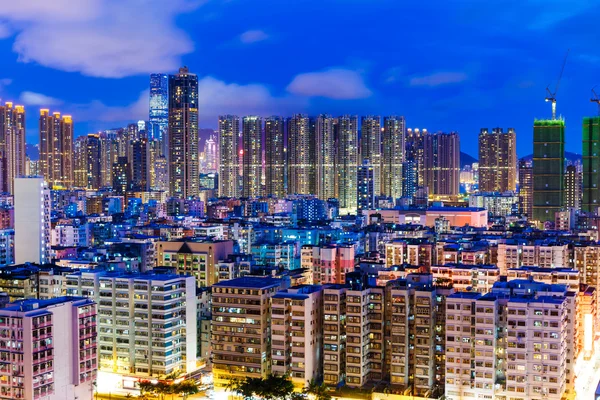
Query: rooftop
[(250, 282)]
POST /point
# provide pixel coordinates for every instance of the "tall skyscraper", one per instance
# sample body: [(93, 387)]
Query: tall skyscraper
[(366, 186), (370, 147), (301, 151), (80, 170), (159, 110), (325, 157), (497, 160), (548, 168), (91, 153), (184, 173), (591, 164), (409, 179), (211, 154), (140, 165), (252, 146), (229, 132), (441, 169), (526, 188), (32, 221), (347, 160), (394, 130), (572, 187), (12, 142), (414, 152), (275, 157), (56, 148), (121, 176), (109, 153)]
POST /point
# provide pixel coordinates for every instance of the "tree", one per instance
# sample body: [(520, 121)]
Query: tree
[(187, 388), (145, 387), (273, 387), (317, 391)]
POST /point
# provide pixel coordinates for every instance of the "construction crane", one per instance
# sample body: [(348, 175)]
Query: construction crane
[(595, 98), (551, 96)]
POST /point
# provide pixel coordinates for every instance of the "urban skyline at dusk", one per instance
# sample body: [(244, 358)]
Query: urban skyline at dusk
[(431, 69), (299, 200)]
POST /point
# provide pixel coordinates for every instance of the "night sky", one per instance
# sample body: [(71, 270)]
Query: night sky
[(445, 65)]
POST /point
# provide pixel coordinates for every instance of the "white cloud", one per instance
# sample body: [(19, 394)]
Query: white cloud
[(97, 111), (102, 38), (439, 78), (215, 97), (38, 99), (335, 83), (253, 36)]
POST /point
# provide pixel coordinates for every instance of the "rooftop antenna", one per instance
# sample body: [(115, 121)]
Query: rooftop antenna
[(595, 98), (551, 96)]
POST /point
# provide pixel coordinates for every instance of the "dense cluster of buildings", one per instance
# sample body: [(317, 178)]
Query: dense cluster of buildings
[(342, 250)]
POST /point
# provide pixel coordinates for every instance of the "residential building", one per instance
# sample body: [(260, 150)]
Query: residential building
[(241, 340), (196, 258), (347, 161), (548, 168), (56, 149), (301, 154), (32, 221), (526, 188), (573, 182), (147, 322), (441, 163), (48, 349), (12, 144), (183, 134), (229, 131), (366, 186), (393, 155), (370, 147), (591, 164), (497, 160), (252, 154), (497, 204), (325, 157), (330, 263), (297, 334), (275, 157)]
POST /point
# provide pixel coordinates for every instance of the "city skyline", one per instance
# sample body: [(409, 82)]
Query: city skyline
[(461, 87)]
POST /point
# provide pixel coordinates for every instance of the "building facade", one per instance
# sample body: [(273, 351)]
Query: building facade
[(183, 159)]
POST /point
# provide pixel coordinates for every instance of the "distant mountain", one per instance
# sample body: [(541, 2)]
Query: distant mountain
[(466, 159), (571, 157)]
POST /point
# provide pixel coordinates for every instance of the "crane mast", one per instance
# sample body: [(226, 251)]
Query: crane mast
[(550, 95)]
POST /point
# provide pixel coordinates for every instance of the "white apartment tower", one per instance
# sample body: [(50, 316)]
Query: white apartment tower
[(147, 322), (32, 221)]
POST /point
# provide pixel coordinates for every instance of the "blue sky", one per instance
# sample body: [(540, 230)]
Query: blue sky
[(449, 65)]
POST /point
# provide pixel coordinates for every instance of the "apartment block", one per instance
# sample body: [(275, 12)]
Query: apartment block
[(410, 339), (364, 335), (196, 258), (334, 334), (48, 349), (477, 278), (297, 334), (329, 264), (241, 328), (147, 322), (546, 254), (511, 343)]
